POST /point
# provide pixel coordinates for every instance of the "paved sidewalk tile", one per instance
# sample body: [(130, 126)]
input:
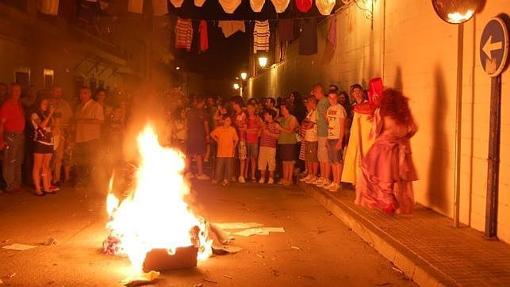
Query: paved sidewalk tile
[(461, 254)]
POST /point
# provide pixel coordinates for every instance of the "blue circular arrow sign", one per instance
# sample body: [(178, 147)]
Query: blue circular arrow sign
[(494, 47)]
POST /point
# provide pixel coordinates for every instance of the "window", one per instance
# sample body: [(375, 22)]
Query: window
[(49, 78)]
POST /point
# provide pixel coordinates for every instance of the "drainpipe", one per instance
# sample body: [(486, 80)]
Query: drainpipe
[(458, 125)]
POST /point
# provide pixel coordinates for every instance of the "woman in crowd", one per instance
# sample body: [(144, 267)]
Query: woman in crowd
[(41, 120), (387, 168), (287, 142), (240, 123)]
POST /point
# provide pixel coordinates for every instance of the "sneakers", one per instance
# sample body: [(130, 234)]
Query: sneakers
[(318, 182), (203, 177), (262, 180), (334, 187), (270, 181), (241, 179), (304, 179), (311, 180)]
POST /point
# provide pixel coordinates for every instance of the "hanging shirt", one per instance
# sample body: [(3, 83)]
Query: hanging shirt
[(49, 7), (304, 5), (332, 32), (177, 3), (308, 37), (159, 7), (280, 5), (261, 34), (183, 34), (229, 28), (135, 6), (257, 5), (199, 3), (204, 40), (229, 6), (325, 6), (286, 30)]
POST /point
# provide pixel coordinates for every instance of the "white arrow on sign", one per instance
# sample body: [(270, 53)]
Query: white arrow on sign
[(488, 47)]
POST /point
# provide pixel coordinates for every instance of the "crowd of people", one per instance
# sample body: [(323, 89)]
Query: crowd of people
[(45, 140), (328, 138)]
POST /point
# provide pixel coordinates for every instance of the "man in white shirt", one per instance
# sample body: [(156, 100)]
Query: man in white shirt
[(88, 118), (336, 126)]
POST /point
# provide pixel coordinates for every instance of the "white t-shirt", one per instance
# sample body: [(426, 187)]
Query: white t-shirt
[(311, 134), (335, 114)]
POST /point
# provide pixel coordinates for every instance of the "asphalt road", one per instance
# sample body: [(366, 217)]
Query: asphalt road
[(316, 249)]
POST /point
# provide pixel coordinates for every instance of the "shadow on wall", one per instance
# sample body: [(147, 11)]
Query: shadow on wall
[(398, 80), (439, 159)]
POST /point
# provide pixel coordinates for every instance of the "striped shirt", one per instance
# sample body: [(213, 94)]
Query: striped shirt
[(183, 34), (261, 35), (270, 134)]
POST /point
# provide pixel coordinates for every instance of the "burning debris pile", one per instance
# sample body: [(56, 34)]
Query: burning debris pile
[(153, 225)]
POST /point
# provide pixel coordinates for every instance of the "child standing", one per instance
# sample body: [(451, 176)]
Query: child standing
[(240, 124), (336, 125), (268, 141), (310, 140), (227, 139), (254, 127)]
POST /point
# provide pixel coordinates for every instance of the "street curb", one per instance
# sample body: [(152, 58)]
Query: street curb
[(412, 265)]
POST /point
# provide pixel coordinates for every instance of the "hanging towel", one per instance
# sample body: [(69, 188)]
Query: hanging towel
[(286, 30), (204, 39), (229, 6), (308, 37), (159, 7), (261, 34), (199, 3), (280, 5), (135, 6), (49, 7), (325, 6), (304, 5), (183, 34), (177, 3), (229, 28), (257, 5)]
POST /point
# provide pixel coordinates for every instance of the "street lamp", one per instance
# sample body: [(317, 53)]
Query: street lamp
[(244, 76), (236, 86), (457, 12), (262, 61)]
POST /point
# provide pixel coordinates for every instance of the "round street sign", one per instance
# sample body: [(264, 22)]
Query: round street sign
[(494, 47)]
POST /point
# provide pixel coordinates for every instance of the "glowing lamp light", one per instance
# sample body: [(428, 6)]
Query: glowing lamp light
[(244, 76), (177, 68), (262, 61), (236, 86), (456, 12), (457, 18)]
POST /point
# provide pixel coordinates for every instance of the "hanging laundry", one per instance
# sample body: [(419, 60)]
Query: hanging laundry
[(177, 3), (159, 7), (286, 30), (49, 7), (135, 6), (332, 32), (308, 37), (261, 34), (229, 28), (199, 3), (183, 34), (325, 6), (304, 5), (229, 6), (204, 39), (280, 5), (257, 5)]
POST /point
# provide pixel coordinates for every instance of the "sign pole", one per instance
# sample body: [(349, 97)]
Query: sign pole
[(491, 211), (458, 125)]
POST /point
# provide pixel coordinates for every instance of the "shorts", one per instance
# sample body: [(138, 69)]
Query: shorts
[(322, 149), (241, 150), (267, 158), (334, 155), (41, 148), (252, 150), (311, 151), (287, 152)]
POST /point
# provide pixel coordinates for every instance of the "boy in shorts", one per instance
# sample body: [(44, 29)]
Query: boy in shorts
[(254, 127), (310, 140), (268, 142), (336, 125)]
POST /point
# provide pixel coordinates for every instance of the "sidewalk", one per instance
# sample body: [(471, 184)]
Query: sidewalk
[(425, 246)]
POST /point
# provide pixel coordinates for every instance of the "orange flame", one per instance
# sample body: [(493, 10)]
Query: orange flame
[(155, 215)]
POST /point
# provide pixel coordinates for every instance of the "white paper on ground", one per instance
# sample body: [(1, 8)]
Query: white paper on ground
[(238, 225), (18, 247), (259, 231)]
